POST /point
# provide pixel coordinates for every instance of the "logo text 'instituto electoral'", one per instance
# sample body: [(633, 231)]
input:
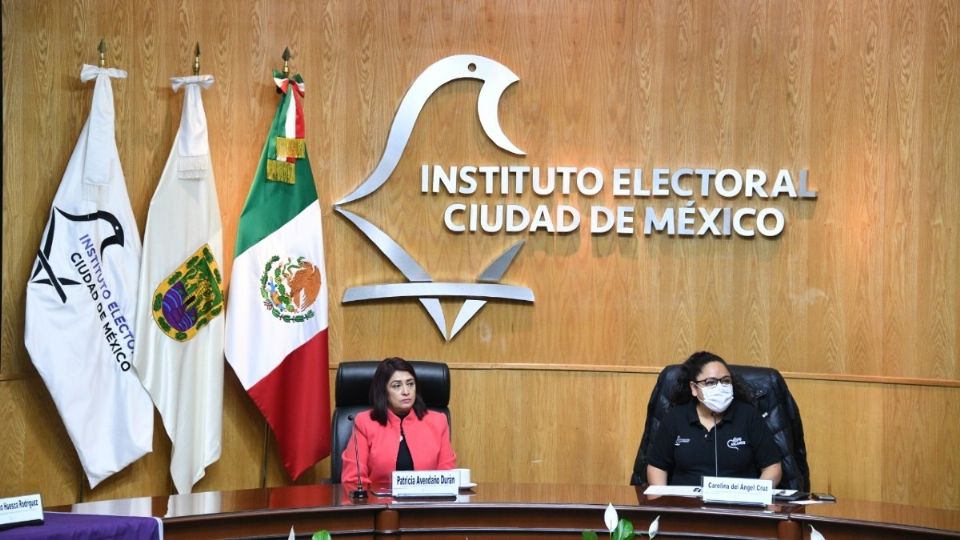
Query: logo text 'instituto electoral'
[(644, 199)]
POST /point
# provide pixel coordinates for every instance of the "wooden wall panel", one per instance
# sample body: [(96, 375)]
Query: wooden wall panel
[(38, 456), (844, 456), (881, 442), (561, 426), (861, 288)]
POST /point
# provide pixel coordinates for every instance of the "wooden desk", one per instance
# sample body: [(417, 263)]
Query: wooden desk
[(511, 511), (848, 519), (563, 511)]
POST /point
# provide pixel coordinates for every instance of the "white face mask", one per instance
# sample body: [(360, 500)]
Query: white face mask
[(717, 398)]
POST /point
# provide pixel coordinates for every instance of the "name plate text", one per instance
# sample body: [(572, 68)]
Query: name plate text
[(20, 510), (425, 483), (724, 489)]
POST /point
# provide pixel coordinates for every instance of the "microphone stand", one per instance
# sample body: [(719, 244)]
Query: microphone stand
[(358, 494)]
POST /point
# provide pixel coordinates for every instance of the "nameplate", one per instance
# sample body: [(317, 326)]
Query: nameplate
[(722, 489), (26, 509), (425, 484)]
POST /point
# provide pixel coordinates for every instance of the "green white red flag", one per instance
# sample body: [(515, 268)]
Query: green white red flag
[(276, 334)]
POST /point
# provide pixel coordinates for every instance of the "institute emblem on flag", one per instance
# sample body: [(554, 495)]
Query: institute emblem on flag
[(190, 297)]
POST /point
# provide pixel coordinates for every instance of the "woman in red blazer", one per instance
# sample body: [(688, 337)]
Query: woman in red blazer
[(399, 433)]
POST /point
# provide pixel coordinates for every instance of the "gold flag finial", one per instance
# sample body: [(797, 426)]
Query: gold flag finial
[(196, 60), (103, 53), (286, 61)]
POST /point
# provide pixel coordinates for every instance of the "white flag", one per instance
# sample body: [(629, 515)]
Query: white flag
[(81, 300), (179, 355)]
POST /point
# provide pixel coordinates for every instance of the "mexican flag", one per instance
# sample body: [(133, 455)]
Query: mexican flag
[(276, 335)]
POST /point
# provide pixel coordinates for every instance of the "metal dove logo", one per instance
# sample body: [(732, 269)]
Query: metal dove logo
[(496, 79)]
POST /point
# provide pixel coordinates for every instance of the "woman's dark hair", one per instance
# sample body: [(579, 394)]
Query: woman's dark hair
[(692, 367), (378, 389)]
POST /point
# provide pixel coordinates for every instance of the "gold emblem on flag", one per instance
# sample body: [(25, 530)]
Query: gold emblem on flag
[(290, 288), (190, 297), (281, 171), (295, 148)]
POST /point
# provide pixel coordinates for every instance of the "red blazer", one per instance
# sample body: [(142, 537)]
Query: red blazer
[(427, 438)]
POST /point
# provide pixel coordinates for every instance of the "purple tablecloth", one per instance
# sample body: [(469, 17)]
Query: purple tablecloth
[(67, 526)]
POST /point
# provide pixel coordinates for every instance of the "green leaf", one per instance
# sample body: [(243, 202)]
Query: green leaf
[(321, 535), (588, 535), (624, 531)]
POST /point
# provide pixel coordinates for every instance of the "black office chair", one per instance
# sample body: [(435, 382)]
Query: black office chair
[(352, 397), (769, 393)]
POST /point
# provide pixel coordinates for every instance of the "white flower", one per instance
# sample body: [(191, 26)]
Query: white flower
[(654, 528), (610, 518)]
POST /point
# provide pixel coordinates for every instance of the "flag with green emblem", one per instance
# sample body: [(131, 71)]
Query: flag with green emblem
[(277, 304), (179, 354)]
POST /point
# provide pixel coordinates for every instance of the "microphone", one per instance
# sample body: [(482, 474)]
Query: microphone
[(359, 493), (716, 433)]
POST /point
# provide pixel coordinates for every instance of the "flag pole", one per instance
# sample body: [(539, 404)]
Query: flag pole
[(196, 60), (286, 65), (102, 48), (266, 433)]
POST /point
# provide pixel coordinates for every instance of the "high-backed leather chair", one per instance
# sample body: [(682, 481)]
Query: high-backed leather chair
[(352, 397), (769, 393)]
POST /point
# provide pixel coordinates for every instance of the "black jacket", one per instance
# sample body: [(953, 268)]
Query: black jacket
[(769, 393)]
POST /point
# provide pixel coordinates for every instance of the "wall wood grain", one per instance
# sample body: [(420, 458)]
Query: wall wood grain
[(857, 300)]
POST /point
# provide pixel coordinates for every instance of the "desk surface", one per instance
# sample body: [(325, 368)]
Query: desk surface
[(898, 520), (502, 509)]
